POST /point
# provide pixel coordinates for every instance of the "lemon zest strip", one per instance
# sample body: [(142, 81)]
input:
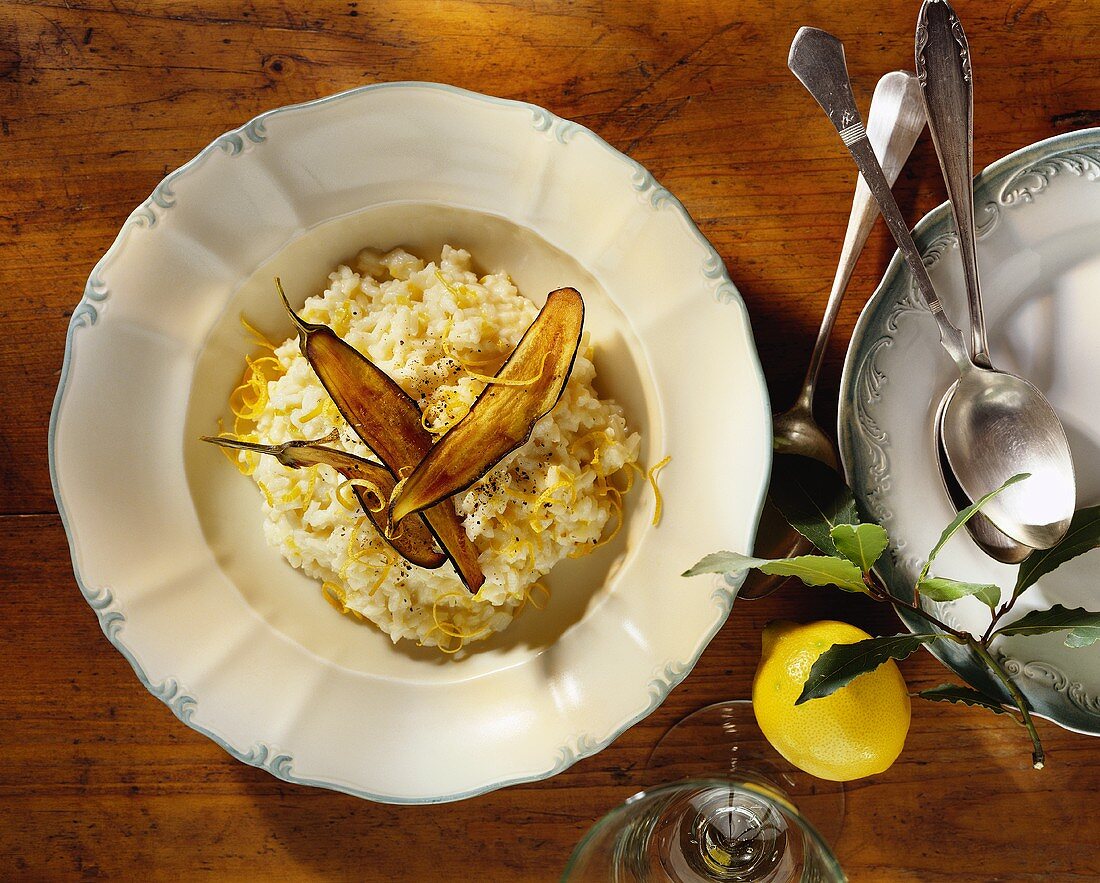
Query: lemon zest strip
[(498, 381), (590, 436), (589, 548), (529, 595), (381, 579), (267, 494), (547, 494), (449, 628), (350, 502), (652, 476), (335, 595), (461, 294), (315, 411), (440, 428), (529, 499), (260, 338), (464, 364)]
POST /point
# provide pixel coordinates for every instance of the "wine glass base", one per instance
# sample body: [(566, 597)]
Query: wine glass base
[(723, 740)]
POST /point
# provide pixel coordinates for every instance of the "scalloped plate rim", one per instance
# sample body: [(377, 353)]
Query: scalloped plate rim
[(84, 313)]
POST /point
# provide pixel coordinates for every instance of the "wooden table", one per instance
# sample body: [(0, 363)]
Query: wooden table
[(101, 98)]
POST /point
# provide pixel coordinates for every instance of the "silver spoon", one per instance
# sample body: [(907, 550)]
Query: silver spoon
[(996, 425), (894, 123), (946, 85)]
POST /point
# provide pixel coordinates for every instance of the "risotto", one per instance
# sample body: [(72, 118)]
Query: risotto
[(439, 330)]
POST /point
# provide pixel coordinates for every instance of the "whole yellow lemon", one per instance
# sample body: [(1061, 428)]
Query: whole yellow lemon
[(857, 731)]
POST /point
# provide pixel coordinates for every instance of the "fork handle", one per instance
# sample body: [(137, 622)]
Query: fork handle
[(817, 59), (894, 123)]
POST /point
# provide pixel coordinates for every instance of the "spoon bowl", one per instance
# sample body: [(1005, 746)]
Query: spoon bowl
[(996, 425), (991, 541), (796, 432)]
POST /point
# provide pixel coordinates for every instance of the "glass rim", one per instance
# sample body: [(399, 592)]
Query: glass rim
[(755, 789)]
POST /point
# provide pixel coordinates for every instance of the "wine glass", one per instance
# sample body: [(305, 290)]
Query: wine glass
[(728, 815)]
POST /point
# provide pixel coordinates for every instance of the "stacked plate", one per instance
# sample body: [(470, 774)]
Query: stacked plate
[(1039, 255)]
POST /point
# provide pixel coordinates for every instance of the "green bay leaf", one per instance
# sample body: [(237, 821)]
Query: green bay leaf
[(813, 570), (862, 544), (1054, 619), (961, 519), (1083, 636), (724, 562), (819, 570), (812, 497), (1082, 536), (963, 696), (939, 588), (843, 663)]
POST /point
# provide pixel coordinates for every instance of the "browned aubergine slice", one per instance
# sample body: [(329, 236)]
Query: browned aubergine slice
[(412, 541), (503, 416), (388, 421)]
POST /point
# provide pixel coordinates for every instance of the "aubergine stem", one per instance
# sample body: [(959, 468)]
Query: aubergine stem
[(279, 452), (503, 416), (388, 421), (414, 542)]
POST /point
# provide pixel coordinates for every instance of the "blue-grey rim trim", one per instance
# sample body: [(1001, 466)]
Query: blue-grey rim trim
[(989, 190), (233, 143)]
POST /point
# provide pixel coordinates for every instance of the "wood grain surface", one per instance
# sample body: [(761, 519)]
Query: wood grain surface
[(100, 98)]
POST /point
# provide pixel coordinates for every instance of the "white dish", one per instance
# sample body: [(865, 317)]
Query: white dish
[(166, 538), (1039, 256)]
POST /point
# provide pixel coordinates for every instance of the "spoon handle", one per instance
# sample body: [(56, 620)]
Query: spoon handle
[(817, 59), (947, 88), (894, 123)]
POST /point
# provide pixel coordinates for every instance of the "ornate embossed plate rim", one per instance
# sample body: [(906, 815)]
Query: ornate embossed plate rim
[(1011, 182), (111, 618)]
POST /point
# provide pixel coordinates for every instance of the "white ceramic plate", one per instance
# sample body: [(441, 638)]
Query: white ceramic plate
[(1039, 256), (166, 539)]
